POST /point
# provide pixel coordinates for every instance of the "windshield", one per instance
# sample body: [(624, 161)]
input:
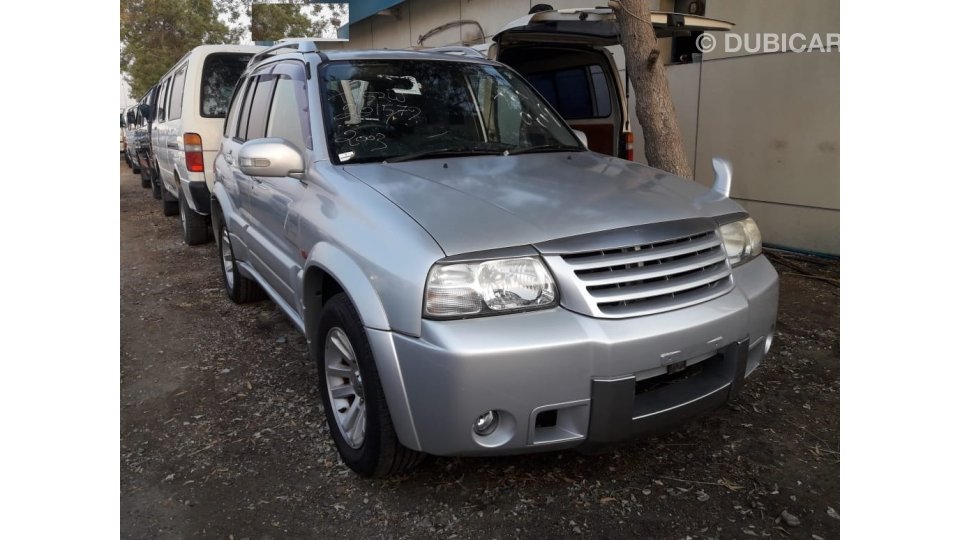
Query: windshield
[(378, 110)]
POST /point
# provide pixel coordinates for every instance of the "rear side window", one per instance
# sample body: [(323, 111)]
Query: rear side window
[(152, 102), (577, 93), (176, 94), (162, 101), (243, 109), (220, 75), (236, 100)]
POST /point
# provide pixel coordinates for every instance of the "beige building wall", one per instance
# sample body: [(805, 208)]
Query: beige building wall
[(775, 116)]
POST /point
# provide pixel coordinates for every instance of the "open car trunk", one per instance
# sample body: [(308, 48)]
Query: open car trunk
[(563, 53)]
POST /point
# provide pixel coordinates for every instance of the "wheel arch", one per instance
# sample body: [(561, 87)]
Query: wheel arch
[(221, 207), (328, 272)]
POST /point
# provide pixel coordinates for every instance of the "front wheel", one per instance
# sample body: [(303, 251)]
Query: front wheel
[(353, 399)]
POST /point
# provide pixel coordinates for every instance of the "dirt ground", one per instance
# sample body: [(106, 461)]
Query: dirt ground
[(221, 434)]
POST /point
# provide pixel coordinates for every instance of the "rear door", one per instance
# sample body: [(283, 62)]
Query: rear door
[(218, 78)]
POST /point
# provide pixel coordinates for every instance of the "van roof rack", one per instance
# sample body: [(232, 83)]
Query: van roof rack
[(455, 49), (300, 45)]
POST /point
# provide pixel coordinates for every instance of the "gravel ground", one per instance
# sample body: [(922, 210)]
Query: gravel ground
[(221, 434)]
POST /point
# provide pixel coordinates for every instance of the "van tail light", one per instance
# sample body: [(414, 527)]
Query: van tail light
[(628, 146), (193, 149)]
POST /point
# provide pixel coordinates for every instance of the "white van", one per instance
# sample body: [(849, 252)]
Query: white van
[(565, 54), (192, 103)]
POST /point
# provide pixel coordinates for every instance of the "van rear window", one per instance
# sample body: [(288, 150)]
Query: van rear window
[(576, 93), (220, 75)]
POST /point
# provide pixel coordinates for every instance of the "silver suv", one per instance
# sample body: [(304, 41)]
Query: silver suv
[(470, 279)]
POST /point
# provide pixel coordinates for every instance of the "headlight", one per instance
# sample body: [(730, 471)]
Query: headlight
[(488, 287), (741, 239)]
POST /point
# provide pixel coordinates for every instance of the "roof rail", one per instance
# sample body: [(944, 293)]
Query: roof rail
[(303, 46), (456, 49)]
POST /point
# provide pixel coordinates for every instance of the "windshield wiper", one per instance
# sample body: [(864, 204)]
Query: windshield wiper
[(457, 151), (546, 148)]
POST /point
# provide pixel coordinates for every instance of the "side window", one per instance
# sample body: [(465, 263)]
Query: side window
[(176, 94), (244, 114), (289, 110), (260, 107), (152, 101), (162, 102), (233, 110)]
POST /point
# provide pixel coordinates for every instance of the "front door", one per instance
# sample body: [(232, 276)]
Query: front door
[(274, 201)]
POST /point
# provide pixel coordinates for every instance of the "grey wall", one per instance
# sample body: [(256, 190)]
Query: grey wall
[(774, 115)]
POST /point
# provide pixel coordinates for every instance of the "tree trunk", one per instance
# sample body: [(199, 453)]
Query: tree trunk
[(662, 143)]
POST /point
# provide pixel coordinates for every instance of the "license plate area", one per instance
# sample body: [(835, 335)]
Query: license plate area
[(677, 373)]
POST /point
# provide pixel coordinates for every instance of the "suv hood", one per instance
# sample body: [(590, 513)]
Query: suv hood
[(487, 202)]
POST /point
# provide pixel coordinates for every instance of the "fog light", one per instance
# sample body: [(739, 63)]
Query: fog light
[(768, 343), (486, 423)]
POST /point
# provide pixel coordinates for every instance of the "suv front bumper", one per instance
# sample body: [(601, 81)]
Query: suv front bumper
[(558, 379)]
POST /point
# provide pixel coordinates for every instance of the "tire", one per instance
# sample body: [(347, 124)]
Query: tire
[(194, 225), (240, 288), (365, 438)]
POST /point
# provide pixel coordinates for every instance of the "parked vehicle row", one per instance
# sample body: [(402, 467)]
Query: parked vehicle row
[(470, 277), (144, 150), (128, 122), (123, 135), (192, 103)]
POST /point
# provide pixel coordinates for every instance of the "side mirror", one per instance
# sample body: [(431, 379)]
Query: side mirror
[(144, 110), (271, 156), (582, 136), (722, 176)]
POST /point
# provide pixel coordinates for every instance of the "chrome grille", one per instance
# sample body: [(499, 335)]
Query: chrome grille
[(647, 278)]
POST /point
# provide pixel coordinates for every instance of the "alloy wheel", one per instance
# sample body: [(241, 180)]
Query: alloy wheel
[(345, 387)]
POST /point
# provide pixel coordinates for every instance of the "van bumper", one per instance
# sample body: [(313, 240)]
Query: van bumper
[(197, 195), (559, 379)]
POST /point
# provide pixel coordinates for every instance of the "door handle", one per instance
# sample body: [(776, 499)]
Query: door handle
[(173, 145)]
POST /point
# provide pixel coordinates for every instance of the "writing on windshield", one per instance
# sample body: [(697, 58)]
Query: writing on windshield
[(381, 109)]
